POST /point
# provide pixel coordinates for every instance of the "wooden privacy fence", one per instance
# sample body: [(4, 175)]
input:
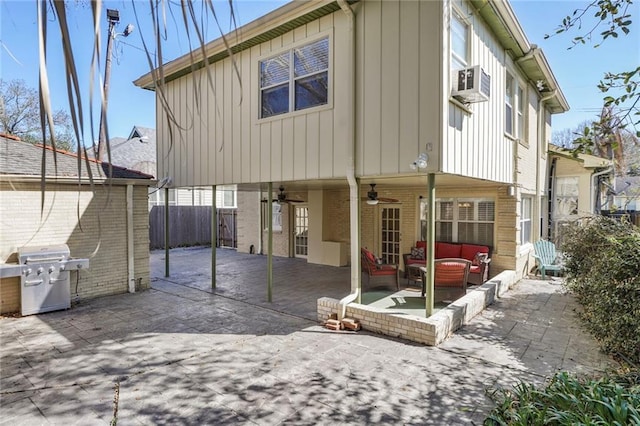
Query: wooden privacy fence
[(191, 226)]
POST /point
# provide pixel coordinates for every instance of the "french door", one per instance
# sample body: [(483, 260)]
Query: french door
[(301, 231), (390, 234)]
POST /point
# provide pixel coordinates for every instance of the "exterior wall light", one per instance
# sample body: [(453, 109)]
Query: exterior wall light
[(420, 162)]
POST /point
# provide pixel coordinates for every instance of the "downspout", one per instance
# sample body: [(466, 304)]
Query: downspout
[(540, 147), (130, 247), (354, 196), (596, 189)]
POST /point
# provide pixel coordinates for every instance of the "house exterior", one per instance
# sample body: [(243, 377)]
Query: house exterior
[(105, 220), (336, 96), (577, 187)]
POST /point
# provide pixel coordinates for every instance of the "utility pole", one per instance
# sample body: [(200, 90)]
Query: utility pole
[(113, 17)]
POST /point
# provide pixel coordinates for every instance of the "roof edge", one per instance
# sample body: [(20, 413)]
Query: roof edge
[(241, 36)]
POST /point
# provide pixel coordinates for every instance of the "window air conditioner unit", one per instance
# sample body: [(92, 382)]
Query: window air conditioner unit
[(471, 84)]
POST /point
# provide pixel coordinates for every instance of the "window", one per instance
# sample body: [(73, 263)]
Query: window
[(508, 102), (520, 114), (514, 119), (461, 220), (295, 80), (459, 41), (276, 218), (525, 220), (566, 199)]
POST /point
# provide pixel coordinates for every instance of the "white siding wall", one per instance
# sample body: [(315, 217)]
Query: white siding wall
[(475, 144), (218, 138)]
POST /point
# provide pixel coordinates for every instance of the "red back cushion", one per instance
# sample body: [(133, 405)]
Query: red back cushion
[(448, 250), (449, 274), (370, 257), (422, 244), (468, 251)]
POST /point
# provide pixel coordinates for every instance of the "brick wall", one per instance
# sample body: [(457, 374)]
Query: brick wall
[(92, 225)]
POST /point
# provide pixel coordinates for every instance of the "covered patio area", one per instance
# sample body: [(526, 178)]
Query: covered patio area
[(297, 284)]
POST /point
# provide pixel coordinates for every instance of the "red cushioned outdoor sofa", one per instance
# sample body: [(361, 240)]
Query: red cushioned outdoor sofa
[(478, 255)]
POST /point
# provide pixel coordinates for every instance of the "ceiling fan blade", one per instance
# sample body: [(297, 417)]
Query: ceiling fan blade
[(388, 200)]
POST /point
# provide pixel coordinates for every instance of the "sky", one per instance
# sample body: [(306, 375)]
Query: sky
[(578, 70)]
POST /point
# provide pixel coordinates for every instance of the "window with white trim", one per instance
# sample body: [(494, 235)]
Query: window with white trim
[(526, 205), (295, 80), (566, 197), (459, 34), (514, 111), (467, 220)]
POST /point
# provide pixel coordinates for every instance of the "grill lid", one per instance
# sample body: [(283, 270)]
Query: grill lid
[(34, 254)]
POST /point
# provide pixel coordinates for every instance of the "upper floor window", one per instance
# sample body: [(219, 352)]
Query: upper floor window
[(514, 100), (459, 41), (296, 79)]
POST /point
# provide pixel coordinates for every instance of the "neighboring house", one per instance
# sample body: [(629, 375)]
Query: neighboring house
[(577, 187), (138, 152), (335, 96), (624, 196), (100, 220)]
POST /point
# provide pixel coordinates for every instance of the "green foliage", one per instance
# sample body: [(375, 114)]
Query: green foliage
[(602, 264), (568, 400)]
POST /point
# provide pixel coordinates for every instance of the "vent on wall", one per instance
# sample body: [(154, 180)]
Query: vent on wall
[(471, 84)]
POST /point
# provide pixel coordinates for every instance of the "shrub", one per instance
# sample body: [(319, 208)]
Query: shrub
[(602, 268), (568, 400)]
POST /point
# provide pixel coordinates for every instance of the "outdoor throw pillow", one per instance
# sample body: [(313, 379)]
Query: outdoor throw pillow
[(479, 258), (417, 253)]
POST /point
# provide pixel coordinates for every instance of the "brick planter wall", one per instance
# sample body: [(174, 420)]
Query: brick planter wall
[(429, 331)]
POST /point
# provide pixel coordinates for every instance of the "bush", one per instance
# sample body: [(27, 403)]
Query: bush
[(567, 400), (602, 268)]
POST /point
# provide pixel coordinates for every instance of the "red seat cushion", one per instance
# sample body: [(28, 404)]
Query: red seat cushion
[(384, 270), (468, 251), (474, 269), (444, 250)]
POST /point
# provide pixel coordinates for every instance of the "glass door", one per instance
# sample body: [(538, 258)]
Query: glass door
[(390, 234), (301, 231)]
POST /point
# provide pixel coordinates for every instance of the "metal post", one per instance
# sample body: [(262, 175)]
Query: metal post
[(102, 136), (166, 232), (214, 237), (431, 242), (269, 241)]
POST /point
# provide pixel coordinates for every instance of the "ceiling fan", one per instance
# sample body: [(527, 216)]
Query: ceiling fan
[(282, 197), (373, 199)]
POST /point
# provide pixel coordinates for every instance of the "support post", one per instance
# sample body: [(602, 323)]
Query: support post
[(102, 135), (431, 243), (131, 261), (214, 236), (269, 241), (166, 232)]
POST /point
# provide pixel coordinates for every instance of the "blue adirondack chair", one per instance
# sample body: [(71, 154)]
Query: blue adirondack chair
[(546, 258)]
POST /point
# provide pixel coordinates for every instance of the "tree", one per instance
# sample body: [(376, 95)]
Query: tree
[(610, 19), (566, 137), (20, 116)]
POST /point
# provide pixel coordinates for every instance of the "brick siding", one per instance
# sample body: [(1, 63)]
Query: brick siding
[(92, 225)]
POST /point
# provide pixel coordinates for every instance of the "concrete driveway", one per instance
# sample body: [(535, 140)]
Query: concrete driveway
[(179, 355)]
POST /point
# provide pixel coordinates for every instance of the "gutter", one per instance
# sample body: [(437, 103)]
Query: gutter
[(74, 180), (354, 196)]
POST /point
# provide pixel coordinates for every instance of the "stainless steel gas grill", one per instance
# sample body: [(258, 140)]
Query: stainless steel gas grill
[(44, 277)]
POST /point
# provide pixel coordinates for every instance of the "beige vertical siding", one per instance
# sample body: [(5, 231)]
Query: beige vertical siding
[(475, 144), (219, 139), (398, 84)]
